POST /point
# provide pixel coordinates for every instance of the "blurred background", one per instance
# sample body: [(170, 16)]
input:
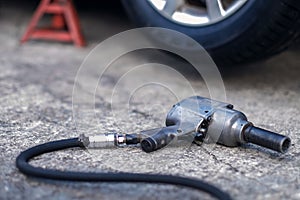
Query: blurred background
[(36, 83)]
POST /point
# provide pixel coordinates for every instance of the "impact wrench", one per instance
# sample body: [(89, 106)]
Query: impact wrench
[(202, 119)]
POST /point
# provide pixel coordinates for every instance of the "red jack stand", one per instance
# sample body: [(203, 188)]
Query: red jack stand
[(65, 23)]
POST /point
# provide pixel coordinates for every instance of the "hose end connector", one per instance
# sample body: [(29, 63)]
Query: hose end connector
[(108, 140)]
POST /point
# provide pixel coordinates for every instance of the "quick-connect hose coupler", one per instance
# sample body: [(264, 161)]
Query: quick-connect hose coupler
[(108, 140)]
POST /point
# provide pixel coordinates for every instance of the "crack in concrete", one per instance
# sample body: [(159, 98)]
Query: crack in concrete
[(236, 169)]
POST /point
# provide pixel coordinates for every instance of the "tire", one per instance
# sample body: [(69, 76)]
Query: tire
[(259, 29)]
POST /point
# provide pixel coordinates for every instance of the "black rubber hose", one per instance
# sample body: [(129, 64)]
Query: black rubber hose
[(22, 163)]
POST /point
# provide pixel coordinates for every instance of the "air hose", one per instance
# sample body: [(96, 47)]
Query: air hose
[(22, 163)]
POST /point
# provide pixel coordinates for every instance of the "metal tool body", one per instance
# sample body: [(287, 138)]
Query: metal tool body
[(207, 121)]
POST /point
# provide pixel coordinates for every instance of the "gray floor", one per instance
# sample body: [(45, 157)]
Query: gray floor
[(36, 106)]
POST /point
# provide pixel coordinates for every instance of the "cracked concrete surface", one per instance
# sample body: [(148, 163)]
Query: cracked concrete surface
[(36, 83)]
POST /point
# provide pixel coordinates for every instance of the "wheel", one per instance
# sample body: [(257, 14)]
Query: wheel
[(232, 31)]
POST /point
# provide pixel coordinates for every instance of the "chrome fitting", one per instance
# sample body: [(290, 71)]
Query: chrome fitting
[(108, 140)]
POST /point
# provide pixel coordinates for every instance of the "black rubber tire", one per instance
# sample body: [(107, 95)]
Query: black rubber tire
[(259, 29)]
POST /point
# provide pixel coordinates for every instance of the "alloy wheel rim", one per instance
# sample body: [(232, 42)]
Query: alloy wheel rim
[(197, 12)]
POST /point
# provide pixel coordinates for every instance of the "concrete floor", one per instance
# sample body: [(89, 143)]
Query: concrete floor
[(36, 106)]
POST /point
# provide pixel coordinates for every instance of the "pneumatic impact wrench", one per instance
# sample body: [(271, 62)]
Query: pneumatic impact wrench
[(205, 120), (196, 118)]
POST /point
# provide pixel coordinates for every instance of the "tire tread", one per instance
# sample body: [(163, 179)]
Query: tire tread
[(272, 39)]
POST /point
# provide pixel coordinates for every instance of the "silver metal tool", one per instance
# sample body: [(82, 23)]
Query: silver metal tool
[(204, 120), (212, 121)]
